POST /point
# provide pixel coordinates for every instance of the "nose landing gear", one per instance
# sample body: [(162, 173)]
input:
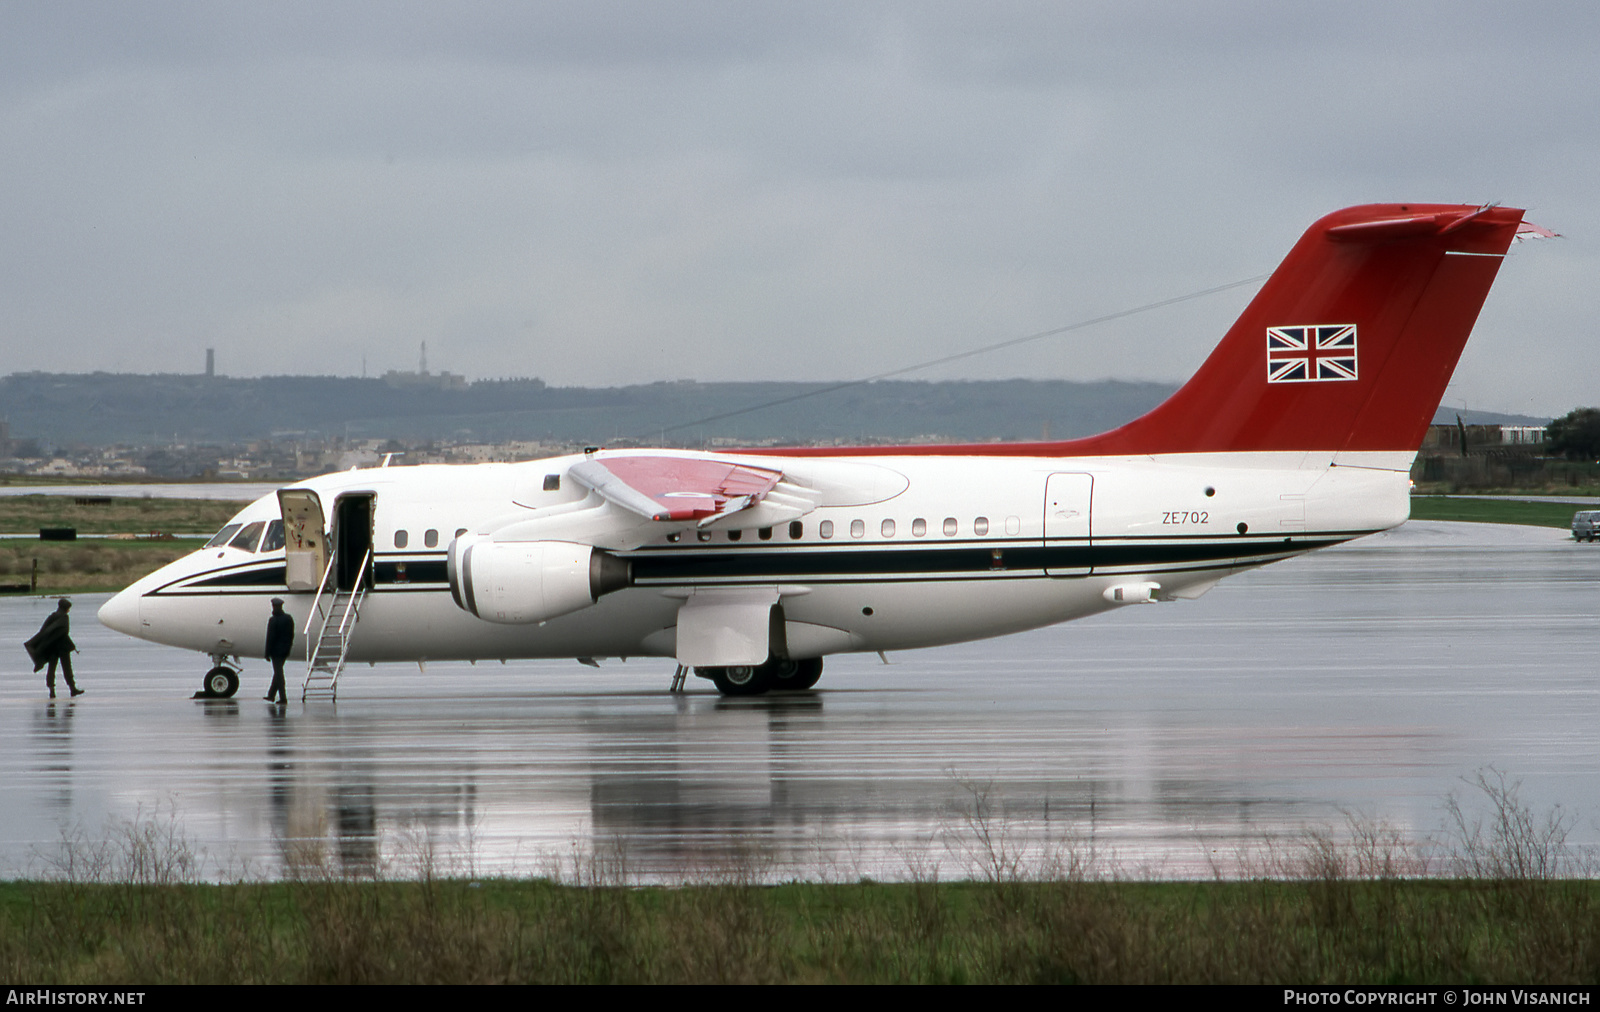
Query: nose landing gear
[(221, 682)]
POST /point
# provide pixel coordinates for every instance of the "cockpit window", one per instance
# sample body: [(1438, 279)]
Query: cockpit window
[(224, 535), (247, 539), (273, 539)]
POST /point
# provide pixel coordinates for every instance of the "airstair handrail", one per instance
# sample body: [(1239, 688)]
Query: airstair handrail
[(313, 646), (353, 612), (327, 574)]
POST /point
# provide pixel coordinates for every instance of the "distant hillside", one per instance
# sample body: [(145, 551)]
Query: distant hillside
[(107, 408)]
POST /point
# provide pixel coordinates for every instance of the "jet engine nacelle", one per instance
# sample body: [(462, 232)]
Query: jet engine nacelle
[(518, 582)]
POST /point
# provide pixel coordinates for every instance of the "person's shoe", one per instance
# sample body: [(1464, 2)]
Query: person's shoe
[(269, 699), (77, 692), (52, 693)]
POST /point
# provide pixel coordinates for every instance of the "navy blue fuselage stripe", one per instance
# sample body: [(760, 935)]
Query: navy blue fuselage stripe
[(273, 577), (687, 565), (664, 566), (415, 572)]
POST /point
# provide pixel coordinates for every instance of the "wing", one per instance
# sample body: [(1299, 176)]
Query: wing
[(541, 563), (635, 497), (704, 491)]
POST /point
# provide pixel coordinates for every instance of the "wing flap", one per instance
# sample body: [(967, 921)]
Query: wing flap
[(702, 490)]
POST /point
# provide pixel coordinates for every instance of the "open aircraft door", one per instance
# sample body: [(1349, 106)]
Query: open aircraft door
[(304, 539), (1066, 524), (353, 517)]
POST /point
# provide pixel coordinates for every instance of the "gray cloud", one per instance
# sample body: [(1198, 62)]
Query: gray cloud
[(612, 193)]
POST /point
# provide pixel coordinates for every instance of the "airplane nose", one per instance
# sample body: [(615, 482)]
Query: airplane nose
[(121, 613)]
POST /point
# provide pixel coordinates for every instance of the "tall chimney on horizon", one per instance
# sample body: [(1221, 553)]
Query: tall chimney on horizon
[(211, 361)]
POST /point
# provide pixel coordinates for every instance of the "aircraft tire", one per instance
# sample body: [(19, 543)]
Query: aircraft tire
[(742, 680), (795, 675), (221, 682)]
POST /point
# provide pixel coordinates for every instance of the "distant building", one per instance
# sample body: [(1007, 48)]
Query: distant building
[(415, 380), (1448, 437), (423, 378), (356, 458)]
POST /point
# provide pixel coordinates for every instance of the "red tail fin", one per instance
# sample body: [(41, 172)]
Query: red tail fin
[(1348, 346)]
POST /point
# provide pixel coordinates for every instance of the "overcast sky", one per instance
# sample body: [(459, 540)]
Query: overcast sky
[(606, 193)]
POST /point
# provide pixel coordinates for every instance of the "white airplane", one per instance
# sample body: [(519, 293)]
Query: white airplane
[(749, 567)]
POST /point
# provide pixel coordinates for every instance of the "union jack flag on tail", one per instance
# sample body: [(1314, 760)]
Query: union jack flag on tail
[(1311, 354)]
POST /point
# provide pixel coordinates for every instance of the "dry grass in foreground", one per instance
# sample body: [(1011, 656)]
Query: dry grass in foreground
[(1346, 909)]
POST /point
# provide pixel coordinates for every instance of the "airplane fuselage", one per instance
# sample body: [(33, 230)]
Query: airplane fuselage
[(899, 552)]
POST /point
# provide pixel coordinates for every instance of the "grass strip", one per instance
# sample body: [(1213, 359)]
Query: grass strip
[(25, 514), (137, 539), (1493, 511), (459, 931), (86, 567)]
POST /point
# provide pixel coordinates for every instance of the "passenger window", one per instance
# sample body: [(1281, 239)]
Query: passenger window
[(1013, 525), (223, 536), (980, 526), (274, 537), (887, 528), (735, 535), (552, 483), (703, 535), (765, 533), (825, 529), (796, 530), (248, 538), (430, 538), (949, 527), (401, 538), (919, 527), (857, 529), (460, 531)]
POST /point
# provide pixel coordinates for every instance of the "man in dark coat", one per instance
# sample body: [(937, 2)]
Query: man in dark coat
[(52, 644), (280, 640)]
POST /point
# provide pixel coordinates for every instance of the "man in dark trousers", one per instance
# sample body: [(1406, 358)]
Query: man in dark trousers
[(52, 643), (280, 639)]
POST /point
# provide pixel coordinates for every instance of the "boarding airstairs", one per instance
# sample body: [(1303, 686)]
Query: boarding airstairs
[(334, 613)]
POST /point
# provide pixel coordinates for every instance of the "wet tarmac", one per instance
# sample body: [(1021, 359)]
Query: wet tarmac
[(1374, 679)]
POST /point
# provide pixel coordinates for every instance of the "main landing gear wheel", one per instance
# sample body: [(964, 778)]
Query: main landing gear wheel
[(795, 675), (221, 682), (741, 679), (753, 680)]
